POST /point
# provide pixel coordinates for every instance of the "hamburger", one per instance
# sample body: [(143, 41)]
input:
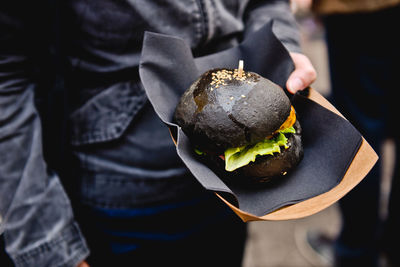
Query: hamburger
[(241, 123)]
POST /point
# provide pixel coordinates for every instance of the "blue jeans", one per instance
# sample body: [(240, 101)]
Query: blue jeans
[(200, 232)]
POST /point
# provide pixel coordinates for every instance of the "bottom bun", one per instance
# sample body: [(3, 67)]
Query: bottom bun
[(264, 169), (267, 168)]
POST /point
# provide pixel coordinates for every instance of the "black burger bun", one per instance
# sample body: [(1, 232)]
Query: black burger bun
[(220, 110)]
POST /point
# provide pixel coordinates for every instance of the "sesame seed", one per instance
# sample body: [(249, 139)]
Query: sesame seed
[(221, 77)]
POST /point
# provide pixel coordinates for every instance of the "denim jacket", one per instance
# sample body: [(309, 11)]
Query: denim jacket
[(90, 49)]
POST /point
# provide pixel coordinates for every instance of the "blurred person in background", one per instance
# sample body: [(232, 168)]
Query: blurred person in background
[(364, 55), (88, 173)]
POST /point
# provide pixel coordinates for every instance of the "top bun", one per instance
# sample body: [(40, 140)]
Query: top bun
[(222, 110)]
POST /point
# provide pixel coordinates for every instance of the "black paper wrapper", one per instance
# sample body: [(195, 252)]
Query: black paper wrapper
[(330, 142)]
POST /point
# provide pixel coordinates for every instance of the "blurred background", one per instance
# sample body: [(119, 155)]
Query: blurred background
[(284, 243)]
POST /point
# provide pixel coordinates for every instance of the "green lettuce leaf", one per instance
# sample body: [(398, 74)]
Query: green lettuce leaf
[(288, 130), (241, 156), (198, 151)]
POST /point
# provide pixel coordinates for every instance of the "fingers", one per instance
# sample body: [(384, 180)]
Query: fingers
[(83, 264), (303, 75)]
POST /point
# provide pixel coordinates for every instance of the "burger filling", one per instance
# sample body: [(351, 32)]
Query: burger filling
[(241, 156), (237, 157)]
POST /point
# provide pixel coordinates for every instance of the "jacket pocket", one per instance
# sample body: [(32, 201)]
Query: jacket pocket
[(106, 116)]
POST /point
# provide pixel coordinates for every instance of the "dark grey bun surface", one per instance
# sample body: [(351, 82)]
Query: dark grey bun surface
[(217, 115), (231, 113)]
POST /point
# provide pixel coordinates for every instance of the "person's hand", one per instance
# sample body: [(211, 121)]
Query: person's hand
[(303, 75), (83, 264)]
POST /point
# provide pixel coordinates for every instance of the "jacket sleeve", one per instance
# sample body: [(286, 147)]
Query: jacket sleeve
[(36, 218), (285, 27)]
